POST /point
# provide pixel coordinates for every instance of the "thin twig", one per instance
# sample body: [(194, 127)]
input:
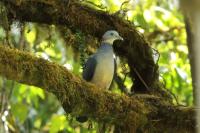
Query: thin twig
[(141, 79)]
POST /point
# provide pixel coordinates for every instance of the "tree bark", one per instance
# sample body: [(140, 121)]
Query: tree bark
[(191, 54), (137, 113)]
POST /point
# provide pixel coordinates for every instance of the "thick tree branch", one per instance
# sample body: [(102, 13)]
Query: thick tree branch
[(78, 16), (81, 98)]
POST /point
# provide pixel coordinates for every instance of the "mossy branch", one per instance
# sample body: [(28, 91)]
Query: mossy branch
[(81, 98), (75, 16), (144, 113)]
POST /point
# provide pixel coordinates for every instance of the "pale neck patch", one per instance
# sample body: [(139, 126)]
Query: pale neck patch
[(109, 41)]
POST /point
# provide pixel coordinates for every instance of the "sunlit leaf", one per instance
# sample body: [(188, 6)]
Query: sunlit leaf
[(20, 111), (30, 34), (58, 123)]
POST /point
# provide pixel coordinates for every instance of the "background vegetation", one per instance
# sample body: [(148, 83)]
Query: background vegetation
[(30, 109)]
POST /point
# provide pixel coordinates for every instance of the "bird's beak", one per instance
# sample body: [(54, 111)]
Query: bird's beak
[(120, 38)]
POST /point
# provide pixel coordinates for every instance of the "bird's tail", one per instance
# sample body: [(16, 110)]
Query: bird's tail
[(82, 119)]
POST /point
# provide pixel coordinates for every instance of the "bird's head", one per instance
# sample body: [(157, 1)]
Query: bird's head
[(110, 36)]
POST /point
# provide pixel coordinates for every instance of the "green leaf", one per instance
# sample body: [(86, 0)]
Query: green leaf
[(20, 111), (141, 20), (58, 123)]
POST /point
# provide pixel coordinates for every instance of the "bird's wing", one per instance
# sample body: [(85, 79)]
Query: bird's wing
[(89, 68)]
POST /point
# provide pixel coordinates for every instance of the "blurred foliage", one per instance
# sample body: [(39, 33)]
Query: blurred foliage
[(30, 109)]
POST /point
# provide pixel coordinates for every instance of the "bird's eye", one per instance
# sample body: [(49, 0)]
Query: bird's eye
[(111, 34)]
